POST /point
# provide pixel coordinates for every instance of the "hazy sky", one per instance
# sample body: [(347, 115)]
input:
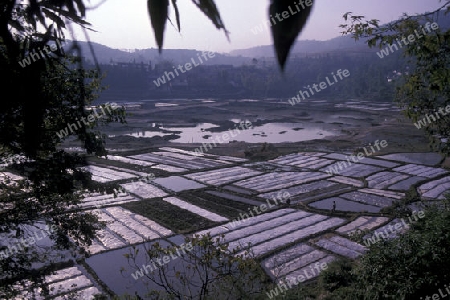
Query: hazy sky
[(125, 24)]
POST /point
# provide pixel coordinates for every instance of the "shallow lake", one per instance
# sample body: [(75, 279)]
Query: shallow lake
[(271, 133)]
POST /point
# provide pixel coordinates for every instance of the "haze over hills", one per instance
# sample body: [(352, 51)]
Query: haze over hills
[(337, 44), (146, 73), (106, 55), (239, 57)]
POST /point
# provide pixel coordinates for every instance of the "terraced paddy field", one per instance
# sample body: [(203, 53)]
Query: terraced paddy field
[(245, 202)]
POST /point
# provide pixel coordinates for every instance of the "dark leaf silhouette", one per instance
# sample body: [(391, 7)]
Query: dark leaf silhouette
[(159, 14), (209, 8), (177, 14), (158, 11), (286, 31)]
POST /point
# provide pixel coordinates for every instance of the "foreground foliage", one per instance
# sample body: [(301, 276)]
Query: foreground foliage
[(40, 99), (414, 265), (424, 89)]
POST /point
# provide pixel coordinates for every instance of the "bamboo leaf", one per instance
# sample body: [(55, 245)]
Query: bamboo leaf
[(177, 13), (286, 31), (158, 11), (209, 8)]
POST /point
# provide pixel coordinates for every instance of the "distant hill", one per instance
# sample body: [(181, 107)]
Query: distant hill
[(337, 44), (106, 55)]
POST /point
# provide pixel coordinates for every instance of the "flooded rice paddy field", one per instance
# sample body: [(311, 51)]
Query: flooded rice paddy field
[(186, 193), (210, 194)]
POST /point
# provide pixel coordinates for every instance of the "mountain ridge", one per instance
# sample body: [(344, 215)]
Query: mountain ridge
[(238, 57)]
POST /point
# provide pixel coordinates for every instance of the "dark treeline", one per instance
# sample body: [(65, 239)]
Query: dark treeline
[(371, 78)]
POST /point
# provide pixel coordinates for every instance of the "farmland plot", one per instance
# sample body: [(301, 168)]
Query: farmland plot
[(362, 223), (180, 160), (423, 171), (435, 189), (124, 228), (341, 246), (66, 282), (195, 209), (103, 175), (98, 200), (223, 176), (269, 231), (143, 189), (128, 160), (303, 161), (279, 180)]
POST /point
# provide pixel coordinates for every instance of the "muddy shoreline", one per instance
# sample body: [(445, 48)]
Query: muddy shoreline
[(354, 123)]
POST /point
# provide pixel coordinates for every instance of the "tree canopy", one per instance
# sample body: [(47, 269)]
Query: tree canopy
[(48, 93), (423, 92)]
